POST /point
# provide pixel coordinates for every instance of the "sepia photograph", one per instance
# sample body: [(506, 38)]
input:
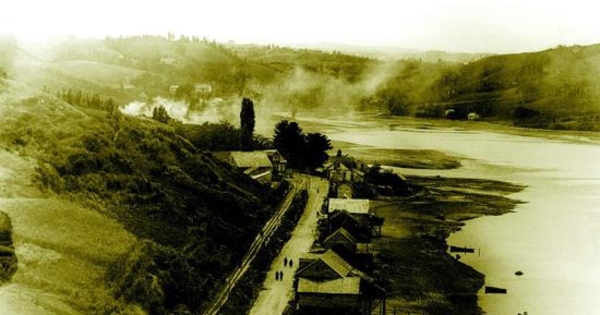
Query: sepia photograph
[(433, 157)]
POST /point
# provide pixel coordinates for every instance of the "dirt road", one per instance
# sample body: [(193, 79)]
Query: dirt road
[(276, 294)]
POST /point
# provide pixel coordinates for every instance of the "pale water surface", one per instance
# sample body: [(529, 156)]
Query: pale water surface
[(553, 238)]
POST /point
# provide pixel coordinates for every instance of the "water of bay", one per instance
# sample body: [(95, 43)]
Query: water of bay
[(552, 238)]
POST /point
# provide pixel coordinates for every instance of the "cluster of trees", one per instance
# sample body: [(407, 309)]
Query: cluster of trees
[(302, 151), (386, 181), (82, 99), (160, 114)]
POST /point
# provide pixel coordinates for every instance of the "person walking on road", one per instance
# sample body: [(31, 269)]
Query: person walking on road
[(291, 263), (285, 260)]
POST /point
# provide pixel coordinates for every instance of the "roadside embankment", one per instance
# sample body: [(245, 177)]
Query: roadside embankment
[(245, 293)]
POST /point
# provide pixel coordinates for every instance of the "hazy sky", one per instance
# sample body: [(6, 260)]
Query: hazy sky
[(467, 25)]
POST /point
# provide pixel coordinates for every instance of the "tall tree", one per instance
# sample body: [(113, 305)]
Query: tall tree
[(289, 140), (301, 150), (315, 150), (247, 123)]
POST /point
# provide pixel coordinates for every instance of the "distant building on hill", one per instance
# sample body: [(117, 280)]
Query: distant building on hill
[(473, 116), (202, 88), (168, 61)]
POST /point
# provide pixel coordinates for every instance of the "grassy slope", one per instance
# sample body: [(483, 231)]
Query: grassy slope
[(62, 248)]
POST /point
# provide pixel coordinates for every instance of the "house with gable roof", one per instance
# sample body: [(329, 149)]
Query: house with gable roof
[(330, 285), (360, 210)]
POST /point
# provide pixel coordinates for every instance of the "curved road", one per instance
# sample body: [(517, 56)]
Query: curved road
[(276, 295)]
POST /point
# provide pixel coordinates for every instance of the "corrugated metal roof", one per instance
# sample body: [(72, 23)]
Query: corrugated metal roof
[(357, 206), (255, 159), (349, 285), (337, 263)]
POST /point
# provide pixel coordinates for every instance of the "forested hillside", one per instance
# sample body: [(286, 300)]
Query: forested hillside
[(192, 215)]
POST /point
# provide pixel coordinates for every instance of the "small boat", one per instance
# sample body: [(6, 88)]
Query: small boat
[(519, 273), (456, 249), (494, 290)]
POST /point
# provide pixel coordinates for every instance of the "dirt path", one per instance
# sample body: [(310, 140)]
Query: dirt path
[(275, 295), (260, 239)]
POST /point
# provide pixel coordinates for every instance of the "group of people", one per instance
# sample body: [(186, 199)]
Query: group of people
[(286, 263)]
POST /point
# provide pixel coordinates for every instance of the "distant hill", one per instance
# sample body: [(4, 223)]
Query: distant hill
[(555, 88), (395, 52)]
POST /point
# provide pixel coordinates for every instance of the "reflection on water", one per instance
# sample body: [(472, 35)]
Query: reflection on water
[(552, 238)]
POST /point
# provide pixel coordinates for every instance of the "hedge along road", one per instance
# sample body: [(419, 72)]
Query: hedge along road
[(261, 238), (276, 294)]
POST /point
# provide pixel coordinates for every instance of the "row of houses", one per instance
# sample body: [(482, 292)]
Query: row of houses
[(333, 278)]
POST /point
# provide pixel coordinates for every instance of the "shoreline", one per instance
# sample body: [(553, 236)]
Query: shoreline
[(424, 276), (360, 120)]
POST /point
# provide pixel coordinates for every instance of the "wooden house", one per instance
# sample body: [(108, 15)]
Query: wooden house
[(356, 226), (360, 210), (260, 165), (330, 285), (345, 245), (340, 172), (278, 161), (341, 239), (255, 164)]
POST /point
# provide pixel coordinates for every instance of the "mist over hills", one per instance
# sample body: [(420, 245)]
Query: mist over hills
[(556, 88)]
